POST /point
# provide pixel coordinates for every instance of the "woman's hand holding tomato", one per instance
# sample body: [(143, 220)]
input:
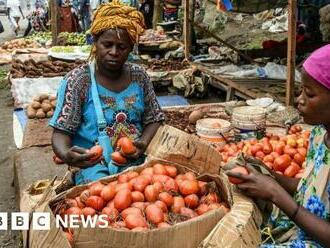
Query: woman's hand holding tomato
[(255, 184), (140, 146), (80, 157)]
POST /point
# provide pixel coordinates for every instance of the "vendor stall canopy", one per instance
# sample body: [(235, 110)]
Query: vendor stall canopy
[(255, 6)]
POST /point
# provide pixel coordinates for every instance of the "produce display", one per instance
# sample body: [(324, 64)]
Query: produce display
[(72, 39), (62, 49), (157, 197), (185, 120), (285, 155), (41, 37), (43, 106), (33, 69), (168, 65), (13, 45), (71, 49)]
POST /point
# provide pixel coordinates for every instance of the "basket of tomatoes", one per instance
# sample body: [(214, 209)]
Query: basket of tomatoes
[(284, 154), (155, 205)]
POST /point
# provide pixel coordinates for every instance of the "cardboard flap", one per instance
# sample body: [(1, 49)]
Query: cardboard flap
[(179, 147)]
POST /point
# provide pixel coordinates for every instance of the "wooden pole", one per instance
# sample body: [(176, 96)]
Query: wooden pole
[(291, 64), (54, 20), (186, 30), (158, 13)]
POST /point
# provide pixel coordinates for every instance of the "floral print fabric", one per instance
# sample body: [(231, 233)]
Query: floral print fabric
[(313, 194)]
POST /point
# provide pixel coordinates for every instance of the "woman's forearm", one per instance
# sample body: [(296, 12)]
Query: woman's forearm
[(311, 224), (149, 132), (61, 143), (288, 183)]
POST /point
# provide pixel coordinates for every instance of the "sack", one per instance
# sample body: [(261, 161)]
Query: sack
[(1, 28)]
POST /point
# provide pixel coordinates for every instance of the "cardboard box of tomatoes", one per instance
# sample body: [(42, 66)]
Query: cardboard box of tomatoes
[(175, 199)]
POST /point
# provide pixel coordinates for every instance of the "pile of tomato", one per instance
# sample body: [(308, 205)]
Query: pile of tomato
[(285, 155), (157, 197)]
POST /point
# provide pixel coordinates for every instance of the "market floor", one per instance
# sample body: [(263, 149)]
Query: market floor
[(7, 151)]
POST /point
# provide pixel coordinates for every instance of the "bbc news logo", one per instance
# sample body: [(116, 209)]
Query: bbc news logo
[(41, 221)]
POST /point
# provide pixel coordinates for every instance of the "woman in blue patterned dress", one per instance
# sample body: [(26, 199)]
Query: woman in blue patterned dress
[(304, 220), (106, 99)]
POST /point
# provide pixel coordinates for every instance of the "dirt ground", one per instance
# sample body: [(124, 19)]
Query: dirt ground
[(8, 239), (7, 150)]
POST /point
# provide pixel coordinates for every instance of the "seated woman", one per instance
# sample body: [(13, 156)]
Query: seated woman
[(305, 204), (107, 99)]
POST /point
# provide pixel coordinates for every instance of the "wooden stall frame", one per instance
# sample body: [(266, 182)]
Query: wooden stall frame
[(292, 15)]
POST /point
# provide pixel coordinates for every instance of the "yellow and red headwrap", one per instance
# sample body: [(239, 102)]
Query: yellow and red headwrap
[(117, 15)]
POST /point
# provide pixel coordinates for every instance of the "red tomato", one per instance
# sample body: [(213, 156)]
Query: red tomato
[(171, 171), (166, 198), (282, 162), (275, 155), (292, 170), (178, 203), (121, 186), (267, 148), (203, 190), (238, 169), (74, 211), (158, 186), (133, 221), (123, 199), (150, 193), (132, 174), (171, 185), (147, 171), (111, 213), (140, 205), (202, 209), (140, 183), (256, 148), (126, 145), (159, 169), (191, 201), (302, 151), (260, 154), (188, 187), (160, 178), (210, 198), (123, 178), (188, 212), (279, 149), (269, 158), (108, 193), (137, 196), (290, 151), (131, 210), (162, 206), (154, 214), (97, 152), (96, 188), (95, 202), (190, 175), (298, 158), (118, 158)]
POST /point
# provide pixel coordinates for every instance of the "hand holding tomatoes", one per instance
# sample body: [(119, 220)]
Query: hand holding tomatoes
[(255, 184), (80, 157)]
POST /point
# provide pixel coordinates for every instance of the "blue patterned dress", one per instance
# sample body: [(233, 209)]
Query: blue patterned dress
[(126, 113), (313, 194)]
